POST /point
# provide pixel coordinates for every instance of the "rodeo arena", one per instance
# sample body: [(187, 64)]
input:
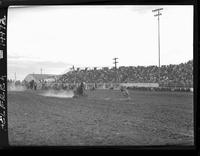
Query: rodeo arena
[(125, 105)]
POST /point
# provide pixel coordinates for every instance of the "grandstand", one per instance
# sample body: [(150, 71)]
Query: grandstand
[(172, 76)]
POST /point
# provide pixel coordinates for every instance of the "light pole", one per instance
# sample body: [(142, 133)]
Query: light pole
[(115, 62), (158, 14), (73, 69), (15, 77)]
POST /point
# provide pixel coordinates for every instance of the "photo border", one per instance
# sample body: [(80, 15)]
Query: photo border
[(3, 63)]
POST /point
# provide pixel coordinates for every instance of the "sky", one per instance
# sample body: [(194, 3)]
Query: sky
[(53, 38)]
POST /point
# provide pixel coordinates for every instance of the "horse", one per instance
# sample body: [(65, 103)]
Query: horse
[(80, 90), (32, 85)]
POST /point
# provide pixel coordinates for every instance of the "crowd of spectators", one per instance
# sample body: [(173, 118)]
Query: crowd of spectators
[(180, 75)]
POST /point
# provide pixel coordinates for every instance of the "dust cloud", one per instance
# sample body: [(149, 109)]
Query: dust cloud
[(59, 93), (16, 88)]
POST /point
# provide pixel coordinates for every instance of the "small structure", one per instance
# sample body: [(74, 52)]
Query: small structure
[(40, 77)]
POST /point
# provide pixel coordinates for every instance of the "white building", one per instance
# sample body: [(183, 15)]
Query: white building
[(41, 77)]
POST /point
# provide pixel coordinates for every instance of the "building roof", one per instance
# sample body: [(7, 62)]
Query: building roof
[(39, 77)]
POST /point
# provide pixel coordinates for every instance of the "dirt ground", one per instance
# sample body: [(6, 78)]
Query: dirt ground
[(105, 117)]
